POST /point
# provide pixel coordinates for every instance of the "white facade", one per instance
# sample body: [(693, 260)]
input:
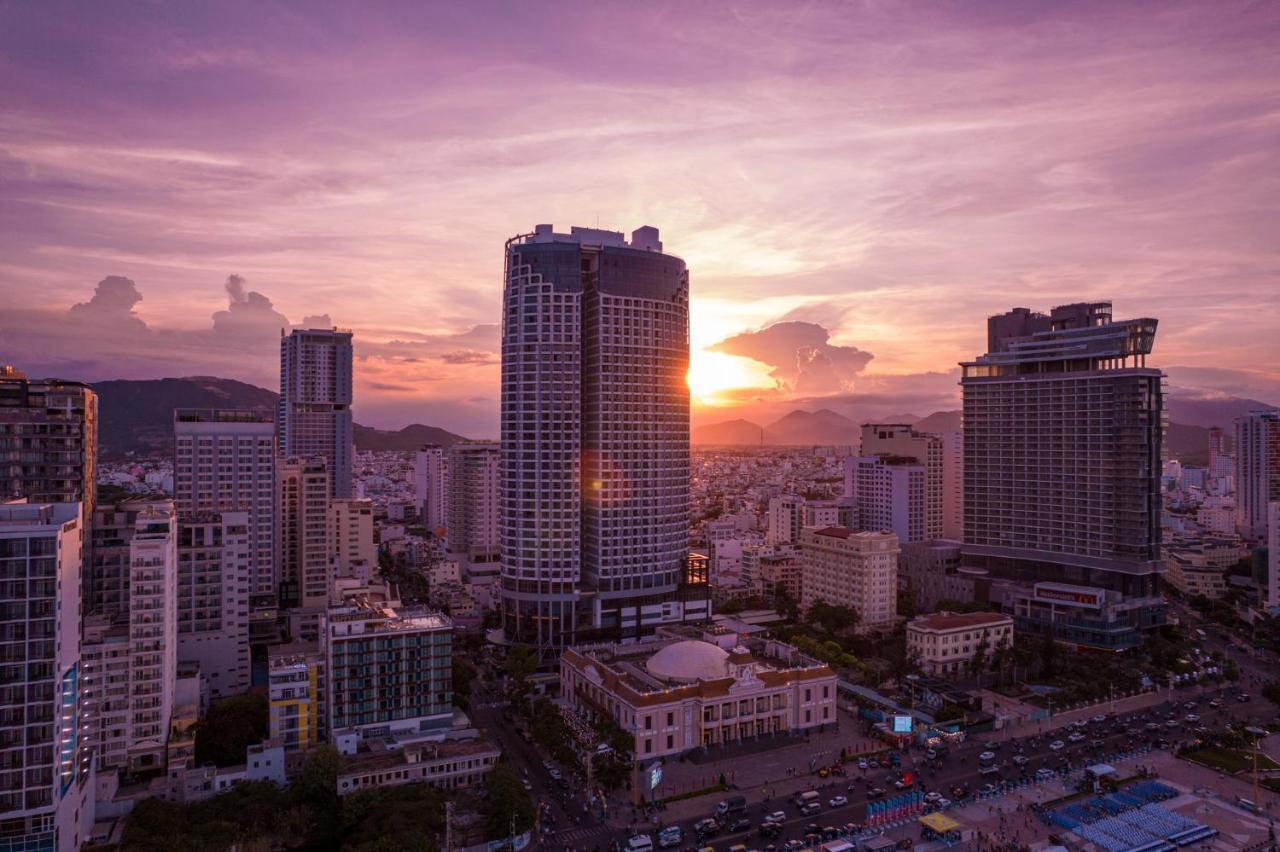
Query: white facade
[(889, 493), (858, 570), (314, 417), (929, 451), (472, 524), (224, 461), (786, 519), (213, 598), (44, 787), (1257, 470), (430, 481), (945, 642), (351, 538), (153, 636)]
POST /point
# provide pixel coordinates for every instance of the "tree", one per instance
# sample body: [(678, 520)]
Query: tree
[(507, 801), (832, 619), (231, 725), (978, 662), (785, 603), (463, 674), (408, 817), (1048, 656)]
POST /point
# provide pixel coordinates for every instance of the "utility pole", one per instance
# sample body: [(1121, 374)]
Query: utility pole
[(448, 827)]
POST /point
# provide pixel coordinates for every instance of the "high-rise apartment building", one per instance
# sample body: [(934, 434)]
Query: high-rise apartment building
[(1271, 585), (388, 671), (889, 493), (953, 485), (786, 519), (1221, 463), (213, 598), (153, 636), (431, 480), (1257, 470), (314, 418), (858, 570), (1063, 445), (48, 440), (594, 516), (303, 518), (901, 441), (225, 461), (473, 509), (45, 786), (351, 538), (106, 585)]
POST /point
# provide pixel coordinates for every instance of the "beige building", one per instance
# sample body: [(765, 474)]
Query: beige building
[(945, 642), (929, 451), (303, 517), (858, 570), (678, 693), (447, 764), (351, 537), (1198, 566)]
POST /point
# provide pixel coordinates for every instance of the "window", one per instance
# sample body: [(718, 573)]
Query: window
[(648, 746)]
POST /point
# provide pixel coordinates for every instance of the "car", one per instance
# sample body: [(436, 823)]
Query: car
[(1190, 705), (838, 801), (526, 784), (875, 793), (988, 790), (1172, 723), (1020, 760), (987, 756), (1044, 774), (640, 843), (1100, 718), (548, 765), (959, 791), (862, 763), (1243, 698), (1075, 737), (810, 809), (944, 802), (739, 824), (932, 796), (670, 837), (1215, 703), (903, 784), (1057, 745), (931, 754), (777, 816), (1152, 726), (770, 829), (554, 773), (1192, 718)]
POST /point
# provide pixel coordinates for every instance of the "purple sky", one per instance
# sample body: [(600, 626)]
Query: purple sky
[(880, 175)]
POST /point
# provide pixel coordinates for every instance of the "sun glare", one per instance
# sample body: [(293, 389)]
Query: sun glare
[(713, 373)]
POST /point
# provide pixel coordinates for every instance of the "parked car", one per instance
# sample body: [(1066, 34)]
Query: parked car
[(838, 801), (862, 763), (875, 793), (1020, 760), (1057, 745), (987, 756)]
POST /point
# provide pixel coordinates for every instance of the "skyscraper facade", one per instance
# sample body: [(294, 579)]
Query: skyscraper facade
[(42, 797), (473, 508), (314, 417), (213, 598), (224, 461), (1063, 443), (594, 515), (48, 440), (953, 485), (303, 515), (786, 519), (1257, 470), (889, 493)]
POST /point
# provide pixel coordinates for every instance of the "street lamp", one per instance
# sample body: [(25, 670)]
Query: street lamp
[(1257, 734)]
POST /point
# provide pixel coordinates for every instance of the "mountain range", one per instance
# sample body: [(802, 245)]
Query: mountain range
[(135, 417), (1187, 438)]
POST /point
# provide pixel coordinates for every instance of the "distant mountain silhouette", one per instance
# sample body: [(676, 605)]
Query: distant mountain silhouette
[(812, 428), (728, 433), (939, 422), (135, 417), (1211, 412)]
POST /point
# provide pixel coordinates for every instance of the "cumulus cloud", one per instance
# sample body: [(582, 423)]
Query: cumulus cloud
[(800, 355), (112, 302), (249, 314), (467, 356)]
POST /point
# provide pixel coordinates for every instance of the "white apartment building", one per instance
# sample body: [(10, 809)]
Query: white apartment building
[(45, 800), (1257, 470), (472, 521), (858, 570), (351, 544), (945, 642), (153, 636), (430, 482), (225, 461), (929, 451), (303, 513), (889, 493), (214, 582), (786, 519)]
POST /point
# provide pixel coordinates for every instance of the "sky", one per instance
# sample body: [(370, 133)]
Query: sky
[(855, 186)]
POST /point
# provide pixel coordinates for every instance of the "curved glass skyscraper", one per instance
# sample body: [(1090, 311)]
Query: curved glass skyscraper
[(594, 500)]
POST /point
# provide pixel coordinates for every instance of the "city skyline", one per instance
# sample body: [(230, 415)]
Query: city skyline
[(857, 175)]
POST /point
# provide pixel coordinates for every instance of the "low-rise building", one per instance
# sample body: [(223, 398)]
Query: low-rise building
[(686, 690), (295, 691), (448, 765), (946, 642), (1199, 565)]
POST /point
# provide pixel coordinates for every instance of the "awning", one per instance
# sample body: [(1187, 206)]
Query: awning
[(940, 823)]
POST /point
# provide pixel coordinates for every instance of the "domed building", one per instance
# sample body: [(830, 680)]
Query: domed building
[(686, 690)]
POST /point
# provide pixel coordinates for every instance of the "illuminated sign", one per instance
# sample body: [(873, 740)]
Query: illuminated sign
[(655, 776), (902, 724), (1067, 595)]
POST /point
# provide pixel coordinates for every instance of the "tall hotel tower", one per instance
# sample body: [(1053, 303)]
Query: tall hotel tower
[(314, 418), (594, 505), (1063, 436)]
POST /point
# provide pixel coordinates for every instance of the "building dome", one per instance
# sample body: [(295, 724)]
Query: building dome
[(689, 661)]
